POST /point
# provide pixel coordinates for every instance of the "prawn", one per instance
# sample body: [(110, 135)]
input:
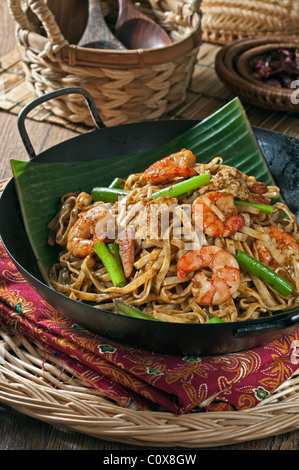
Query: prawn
[(179, 164), (82, 235), (207, 220), (225, 279), (282, 241)]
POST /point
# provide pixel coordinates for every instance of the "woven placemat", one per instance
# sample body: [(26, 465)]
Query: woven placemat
[(205, 95), (15, 94), (41, 386)]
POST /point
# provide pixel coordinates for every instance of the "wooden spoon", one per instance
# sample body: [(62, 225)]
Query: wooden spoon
[(97, 35), (136, 30), (71, 17)]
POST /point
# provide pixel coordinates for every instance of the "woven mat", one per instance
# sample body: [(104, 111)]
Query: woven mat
[(15, 94), (205, 95)]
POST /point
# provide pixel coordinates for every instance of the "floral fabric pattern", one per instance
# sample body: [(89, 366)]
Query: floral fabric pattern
[(140, 379)]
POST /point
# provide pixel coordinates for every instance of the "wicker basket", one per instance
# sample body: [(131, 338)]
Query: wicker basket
[(127, 86), (43, 387), (226, 21), (233, 61)]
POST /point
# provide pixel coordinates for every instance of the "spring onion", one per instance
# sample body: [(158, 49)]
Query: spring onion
[(215, 320), (129, 311), (111, 261), (185, 195), (108, 194), (261, 271), (117, 183), (265, 208), (114, 249), (178, 189)]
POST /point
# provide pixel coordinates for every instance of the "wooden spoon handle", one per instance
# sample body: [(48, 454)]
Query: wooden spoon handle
[(97, 34), (126, 11), (71, 17)]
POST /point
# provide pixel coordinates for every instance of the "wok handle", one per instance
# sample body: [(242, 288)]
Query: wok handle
[(242, 331), (48, 96)]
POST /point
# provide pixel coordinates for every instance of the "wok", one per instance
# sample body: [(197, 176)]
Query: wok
[(282, 155)]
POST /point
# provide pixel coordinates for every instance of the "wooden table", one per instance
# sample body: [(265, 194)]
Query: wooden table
[(18, 431)]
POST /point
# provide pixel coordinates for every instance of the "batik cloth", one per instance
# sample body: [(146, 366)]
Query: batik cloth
[(145, 380)]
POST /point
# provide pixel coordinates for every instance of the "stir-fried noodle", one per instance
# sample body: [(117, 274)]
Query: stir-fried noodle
[(168, 275)]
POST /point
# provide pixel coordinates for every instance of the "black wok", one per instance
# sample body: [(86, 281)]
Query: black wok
[(282, 155)]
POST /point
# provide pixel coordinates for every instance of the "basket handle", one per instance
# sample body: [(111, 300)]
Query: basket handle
[(18, 14), (56, 40), (189, 9), (48, 96)]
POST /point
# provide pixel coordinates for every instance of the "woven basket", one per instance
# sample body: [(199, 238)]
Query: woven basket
[(226, 21), (126, 86), (232, 63), (44, 388)]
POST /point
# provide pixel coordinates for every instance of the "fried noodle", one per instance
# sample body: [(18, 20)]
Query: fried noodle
[(153, 285)]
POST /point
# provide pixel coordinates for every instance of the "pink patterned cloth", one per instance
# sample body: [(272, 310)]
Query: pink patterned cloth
[(145, 380)]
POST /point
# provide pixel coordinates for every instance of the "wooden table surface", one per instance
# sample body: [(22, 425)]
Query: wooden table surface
[(21, 432)]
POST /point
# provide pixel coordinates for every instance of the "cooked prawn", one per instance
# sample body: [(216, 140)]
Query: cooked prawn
[(208, 220), (179, 164), (224, 282), (82, 235), (281, 241)]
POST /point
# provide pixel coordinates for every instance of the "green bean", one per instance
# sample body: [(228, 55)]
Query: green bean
[(265, 208), (215, 320), (108, 194), (111, 260), (128, 310), (178, 189), (258, 269), (117, 183)]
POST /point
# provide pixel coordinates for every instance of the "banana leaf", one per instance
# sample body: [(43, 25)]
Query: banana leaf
[(226, 133)]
